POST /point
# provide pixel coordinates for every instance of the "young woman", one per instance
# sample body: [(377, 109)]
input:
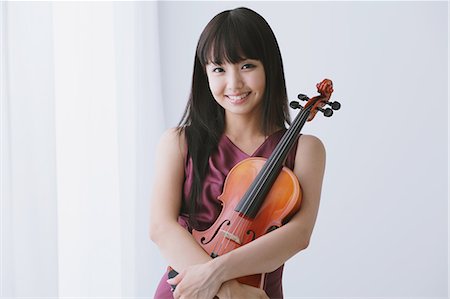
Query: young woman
[(237, 108)]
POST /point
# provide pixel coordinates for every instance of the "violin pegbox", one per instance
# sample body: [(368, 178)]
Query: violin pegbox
[(325, 89)]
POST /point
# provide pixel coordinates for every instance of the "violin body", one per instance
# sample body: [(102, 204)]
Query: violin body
[(233, 229)]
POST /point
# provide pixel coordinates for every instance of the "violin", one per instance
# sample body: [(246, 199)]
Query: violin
[(260, 195)]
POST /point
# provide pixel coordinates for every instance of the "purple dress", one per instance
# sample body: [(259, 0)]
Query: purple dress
[(220, 163)]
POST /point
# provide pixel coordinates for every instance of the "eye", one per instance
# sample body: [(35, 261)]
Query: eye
[(218, 70), (248, 66)]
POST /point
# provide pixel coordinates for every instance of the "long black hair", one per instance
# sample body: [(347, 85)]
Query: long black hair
[(231, 36)]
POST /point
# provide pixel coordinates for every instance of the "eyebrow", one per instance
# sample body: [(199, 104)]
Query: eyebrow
[(242, 60)]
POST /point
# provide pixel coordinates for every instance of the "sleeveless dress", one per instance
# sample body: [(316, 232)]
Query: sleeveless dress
[(220, 163)]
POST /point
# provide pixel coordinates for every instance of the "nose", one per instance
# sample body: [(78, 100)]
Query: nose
[(235, 80)]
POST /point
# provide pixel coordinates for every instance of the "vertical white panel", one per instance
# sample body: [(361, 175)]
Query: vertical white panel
[(30, 206), (140, 123), (87, 150), (6, 252), (150, 124), (126, 76)]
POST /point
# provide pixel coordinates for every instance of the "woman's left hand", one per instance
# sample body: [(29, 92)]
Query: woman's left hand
[(199, 281)]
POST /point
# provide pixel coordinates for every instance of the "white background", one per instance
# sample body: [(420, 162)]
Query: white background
[(88, 87)]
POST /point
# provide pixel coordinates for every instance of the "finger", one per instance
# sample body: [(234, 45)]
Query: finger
[(175, 280)]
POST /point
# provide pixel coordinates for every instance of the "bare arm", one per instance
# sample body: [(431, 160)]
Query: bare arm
[(165, 231)]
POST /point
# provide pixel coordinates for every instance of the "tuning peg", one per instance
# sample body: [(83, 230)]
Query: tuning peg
[(302, 97), (334, 105), (295, 105), (327, 112)]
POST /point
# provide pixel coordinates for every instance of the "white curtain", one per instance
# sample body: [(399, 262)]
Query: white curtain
[(81, 112)]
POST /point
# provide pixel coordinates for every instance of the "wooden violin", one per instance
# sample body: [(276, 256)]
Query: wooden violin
[(260, 195)]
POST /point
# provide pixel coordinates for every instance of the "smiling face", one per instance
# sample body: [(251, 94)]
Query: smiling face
[(237, 70), (237, 87)]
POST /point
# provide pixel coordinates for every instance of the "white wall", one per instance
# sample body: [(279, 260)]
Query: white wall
[(382, 229)]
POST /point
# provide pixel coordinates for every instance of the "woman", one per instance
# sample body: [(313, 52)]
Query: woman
[(237, 108)]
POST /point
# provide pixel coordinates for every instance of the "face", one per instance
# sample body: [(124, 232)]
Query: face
[(239, 87)]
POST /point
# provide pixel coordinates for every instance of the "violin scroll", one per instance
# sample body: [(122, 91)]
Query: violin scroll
[(325, 89)]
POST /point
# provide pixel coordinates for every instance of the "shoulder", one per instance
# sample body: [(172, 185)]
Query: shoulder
[(173, 142), (310, 151), (310, 143)]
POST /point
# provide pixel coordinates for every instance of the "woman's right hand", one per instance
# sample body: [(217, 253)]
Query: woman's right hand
[(233, 289)]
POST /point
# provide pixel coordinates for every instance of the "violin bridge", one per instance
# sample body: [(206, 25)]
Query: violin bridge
[(231, 236)]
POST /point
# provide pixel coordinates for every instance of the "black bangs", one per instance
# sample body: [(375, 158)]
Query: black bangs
[(228, 39)]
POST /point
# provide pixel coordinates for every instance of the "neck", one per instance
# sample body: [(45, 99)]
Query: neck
[(242, 127)]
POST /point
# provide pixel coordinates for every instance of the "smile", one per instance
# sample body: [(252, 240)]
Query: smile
[(237, 99)]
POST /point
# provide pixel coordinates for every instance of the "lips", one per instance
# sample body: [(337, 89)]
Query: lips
[(237, 99)]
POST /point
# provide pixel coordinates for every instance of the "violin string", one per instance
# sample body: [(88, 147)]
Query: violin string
[(238, 227), (270, 166), (298, 125), (264, 178)]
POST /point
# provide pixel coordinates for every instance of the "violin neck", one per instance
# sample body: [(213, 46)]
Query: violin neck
[(254, 197)]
